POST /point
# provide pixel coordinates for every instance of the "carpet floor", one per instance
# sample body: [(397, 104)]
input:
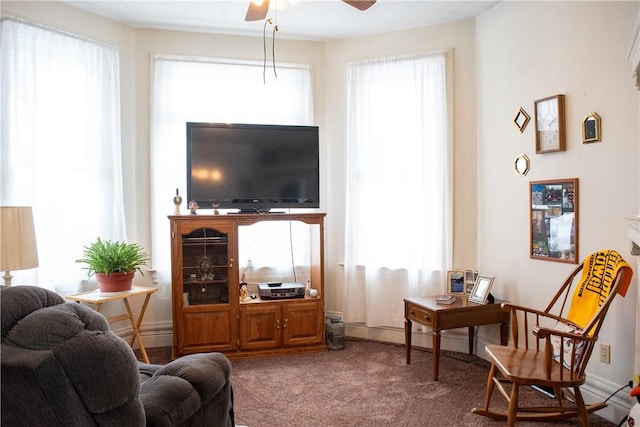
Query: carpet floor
[(367, 384)]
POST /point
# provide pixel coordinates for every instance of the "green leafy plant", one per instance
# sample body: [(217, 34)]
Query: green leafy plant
[(108, 257)]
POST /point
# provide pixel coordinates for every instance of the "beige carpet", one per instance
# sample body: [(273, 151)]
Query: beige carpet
[(367, 384)]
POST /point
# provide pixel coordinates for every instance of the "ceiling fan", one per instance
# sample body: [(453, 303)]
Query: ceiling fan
[(257, 12)]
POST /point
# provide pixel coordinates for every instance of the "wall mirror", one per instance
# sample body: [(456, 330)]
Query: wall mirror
[(521, 165), (554, 220), (521, 119), (591, 128)]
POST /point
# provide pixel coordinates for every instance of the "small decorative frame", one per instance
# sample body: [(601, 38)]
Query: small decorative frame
[(480, 291), (553, 226), (521, 119), (521, 165), (455, 282), (591, 128), (470, 277), (550, 124)]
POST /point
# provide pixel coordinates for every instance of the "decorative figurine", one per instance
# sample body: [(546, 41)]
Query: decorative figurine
[(242, 276), (215, 208), (177, 200), (193, 206), (244, 293)]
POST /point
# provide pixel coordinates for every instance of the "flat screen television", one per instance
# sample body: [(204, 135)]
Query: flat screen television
[(251, 167)]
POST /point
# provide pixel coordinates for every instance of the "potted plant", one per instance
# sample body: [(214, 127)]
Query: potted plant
[(114, 263)]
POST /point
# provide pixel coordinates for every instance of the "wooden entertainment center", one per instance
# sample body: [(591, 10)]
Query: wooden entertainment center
[(208, 314)]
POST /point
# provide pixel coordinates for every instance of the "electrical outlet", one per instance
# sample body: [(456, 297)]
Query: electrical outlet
[(605, 353)]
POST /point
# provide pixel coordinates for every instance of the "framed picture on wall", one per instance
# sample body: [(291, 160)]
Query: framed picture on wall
[(550, 126), (591, 128), (553, 225)]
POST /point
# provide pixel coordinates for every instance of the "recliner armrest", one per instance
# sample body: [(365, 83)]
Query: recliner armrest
[(207, 372), (184, 387)]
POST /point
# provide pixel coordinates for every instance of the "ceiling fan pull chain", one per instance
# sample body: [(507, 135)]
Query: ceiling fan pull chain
[(264, 50), (273, 50), (273, 39)]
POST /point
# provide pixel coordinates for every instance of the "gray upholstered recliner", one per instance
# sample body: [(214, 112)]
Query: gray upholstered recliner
[(63, 366)]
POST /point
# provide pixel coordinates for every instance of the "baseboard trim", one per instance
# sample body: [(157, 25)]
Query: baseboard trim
[(453, 340), (598, 389), (158, 334)]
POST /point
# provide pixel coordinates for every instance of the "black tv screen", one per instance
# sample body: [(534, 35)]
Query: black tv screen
[(254, 168)]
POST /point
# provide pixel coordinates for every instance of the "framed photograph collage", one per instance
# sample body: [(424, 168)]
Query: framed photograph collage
[(554, 220)]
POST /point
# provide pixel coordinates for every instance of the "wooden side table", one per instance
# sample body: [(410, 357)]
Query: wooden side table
[(462, 313), (97, 298)]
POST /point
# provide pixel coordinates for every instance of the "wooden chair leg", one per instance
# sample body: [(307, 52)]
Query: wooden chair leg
[(490, 386), (558, 393), (513, 406), (582, 409)]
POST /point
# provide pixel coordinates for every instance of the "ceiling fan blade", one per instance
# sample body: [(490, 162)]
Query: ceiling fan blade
[(360, 4), (257, 12)]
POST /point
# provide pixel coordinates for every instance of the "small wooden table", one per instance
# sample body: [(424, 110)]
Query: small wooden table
[(462, 313), (97, 298)]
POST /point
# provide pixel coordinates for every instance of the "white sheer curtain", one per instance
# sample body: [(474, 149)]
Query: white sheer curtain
[(220, 91), (398, 229), (60, 145)]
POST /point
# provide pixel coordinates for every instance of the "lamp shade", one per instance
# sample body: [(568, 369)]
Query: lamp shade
[(18, 249)]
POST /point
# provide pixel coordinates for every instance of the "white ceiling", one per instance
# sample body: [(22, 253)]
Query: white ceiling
[(320, 20)]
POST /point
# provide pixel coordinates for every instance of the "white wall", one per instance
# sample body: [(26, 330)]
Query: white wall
[(528, 51)]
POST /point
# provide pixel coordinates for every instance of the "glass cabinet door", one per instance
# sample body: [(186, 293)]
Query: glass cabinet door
[(205, 267)]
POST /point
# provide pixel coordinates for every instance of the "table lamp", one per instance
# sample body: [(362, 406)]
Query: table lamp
[(18, 249)]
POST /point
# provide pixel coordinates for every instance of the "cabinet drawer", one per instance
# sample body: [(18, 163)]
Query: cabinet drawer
[(419, 315)]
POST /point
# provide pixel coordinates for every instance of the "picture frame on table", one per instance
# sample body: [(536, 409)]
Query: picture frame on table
[(480, 292), (549, 118), (470, 277), (455, 282)]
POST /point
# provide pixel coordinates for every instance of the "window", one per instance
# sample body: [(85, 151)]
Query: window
[(398, 197), (217, 91), (60, 145)]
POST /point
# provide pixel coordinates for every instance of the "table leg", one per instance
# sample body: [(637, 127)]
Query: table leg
[(142, 310), (136, 332), (436, 354), (472, 335), (504, 330), (407, 339)]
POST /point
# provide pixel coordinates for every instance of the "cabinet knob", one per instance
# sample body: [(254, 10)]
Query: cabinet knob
[(277, 324), (285, 323)]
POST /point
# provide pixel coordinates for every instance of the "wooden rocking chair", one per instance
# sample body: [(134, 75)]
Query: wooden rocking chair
[(556, 352)]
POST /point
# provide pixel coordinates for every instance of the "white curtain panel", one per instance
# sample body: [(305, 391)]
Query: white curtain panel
[(60, 145), (215, 91), (398, 228)]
